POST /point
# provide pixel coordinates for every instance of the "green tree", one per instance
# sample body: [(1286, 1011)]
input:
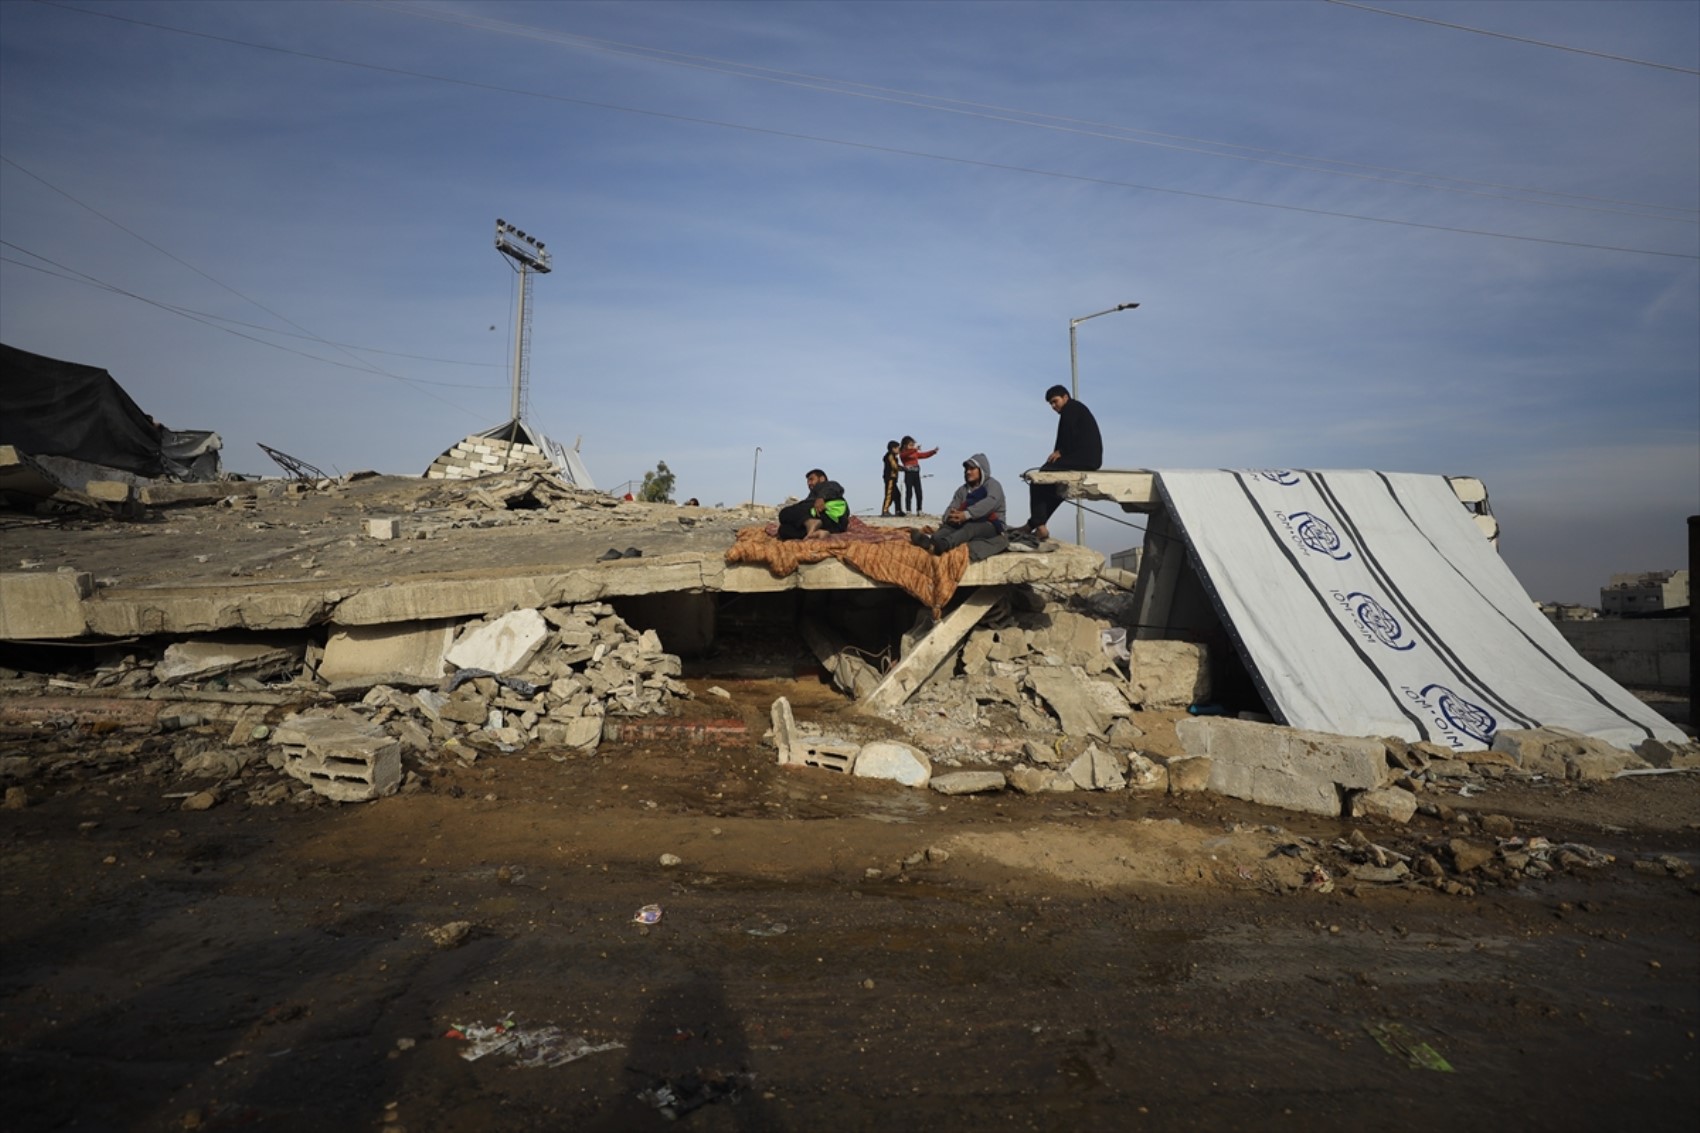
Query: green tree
[(658, 485)]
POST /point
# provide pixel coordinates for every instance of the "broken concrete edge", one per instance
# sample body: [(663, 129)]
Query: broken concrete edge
[(120, 611)]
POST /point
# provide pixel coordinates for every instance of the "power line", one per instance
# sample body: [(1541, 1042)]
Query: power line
[(1057, 123), (1514, 38), (305, 333), (893, 150), (72, 275)]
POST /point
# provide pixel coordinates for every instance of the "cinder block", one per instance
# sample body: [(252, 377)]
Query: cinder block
[(38, 605), (383, 528), (343, 759)]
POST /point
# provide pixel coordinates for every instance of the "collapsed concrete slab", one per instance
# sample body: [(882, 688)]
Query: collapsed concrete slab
[(416, 649), (1284, 767), (42, 605)]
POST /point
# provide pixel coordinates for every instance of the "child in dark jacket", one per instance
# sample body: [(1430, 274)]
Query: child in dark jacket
[(890, 470)]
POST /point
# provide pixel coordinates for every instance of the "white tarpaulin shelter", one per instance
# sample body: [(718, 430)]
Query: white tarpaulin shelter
[(1368, 603)]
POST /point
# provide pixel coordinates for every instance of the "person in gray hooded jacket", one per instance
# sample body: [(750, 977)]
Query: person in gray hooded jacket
[(975, 515)]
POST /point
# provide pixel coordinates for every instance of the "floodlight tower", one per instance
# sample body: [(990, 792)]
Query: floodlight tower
[(529, 256)]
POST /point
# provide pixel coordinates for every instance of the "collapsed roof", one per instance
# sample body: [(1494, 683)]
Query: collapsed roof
[(50, 407)]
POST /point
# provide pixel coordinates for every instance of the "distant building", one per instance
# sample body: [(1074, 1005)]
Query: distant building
[(1647, 593), (1568, 612)]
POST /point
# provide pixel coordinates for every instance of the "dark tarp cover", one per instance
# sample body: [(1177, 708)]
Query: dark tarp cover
[(54, 408)]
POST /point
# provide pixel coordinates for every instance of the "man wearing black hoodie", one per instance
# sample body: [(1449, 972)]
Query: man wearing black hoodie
[(975, 515), (1079, 448)]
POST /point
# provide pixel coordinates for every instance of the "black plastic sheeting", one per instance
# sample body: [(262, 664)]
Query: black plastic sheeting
[(54, 408)]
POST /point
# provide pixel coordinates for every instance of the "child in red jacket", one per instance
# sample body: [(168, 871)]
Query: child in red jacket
[(912, 456)]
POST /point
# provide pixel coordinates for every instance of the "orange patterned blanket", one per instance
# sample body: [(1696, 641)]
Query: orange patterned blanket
[(883, 554)]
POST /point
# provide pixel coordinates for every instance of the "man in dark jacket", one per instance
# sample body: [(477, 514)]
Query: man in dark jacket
[(975, 515), (820, 513), (1079, 448)]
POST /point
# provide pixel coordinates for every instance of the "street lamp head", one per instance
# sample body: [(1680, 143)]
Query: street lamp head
[(1127, 306)]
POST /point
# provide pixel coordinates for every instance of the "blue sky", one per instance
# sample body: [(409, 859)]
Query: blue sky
[(1358, 241)]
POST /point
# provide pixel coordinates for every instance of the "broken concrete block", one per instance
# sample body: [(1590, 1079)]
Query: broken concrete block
[(1145, 774), (890, 759), (1663, 753), (345, 759), (1095, 770), (415, 649), (583, 733), (1385, 802), (1599, 761), (1035, 780), (1062, 690), (110, 491), (465, 707), (502, 646), (43, 605), (1108, 703), (967, 782), (383, 528), (1283, 767), (1189, 774), (808, 751), (1069, 638), (199, 660), (1168, 674)]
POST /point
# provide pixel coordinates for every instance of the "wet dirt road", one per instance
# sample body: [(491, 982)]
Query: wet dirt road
[(271, 968)]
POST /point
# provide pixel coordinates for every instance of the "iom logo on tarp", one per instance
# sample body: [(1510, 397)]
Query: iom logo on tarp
[(1456, 717), (1373, 620), (1285, 477), (1315, 534)]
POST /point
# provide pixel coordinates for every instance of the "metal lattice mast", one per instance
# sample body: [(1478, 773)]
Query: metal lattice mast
[(531, 258), (522, 343)]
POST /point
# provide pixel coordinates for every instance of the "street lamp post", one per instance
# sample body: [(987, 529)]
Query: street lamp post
[(1074, 392), (754, 466)]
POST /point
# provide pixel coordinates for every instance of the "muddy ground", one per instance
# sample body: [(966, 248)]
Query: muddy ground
[(832, 953)]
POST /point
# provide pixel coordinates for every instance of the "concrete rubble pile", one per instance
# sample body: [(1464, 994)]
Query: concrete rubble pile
[(546, 676)]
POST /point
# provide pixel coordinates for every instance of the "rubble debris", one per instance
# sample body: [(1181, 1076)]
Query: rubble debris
[(450, 935), (968, 782), (530, 1047), (201, 660), (893, 760), (795, 748), (1168, 674)]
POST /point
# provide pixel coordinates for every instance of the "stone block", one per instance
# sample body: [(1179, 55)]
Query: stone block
[(1283, 767), (39, 604), (890, 759), (383, 528), (1168, 674), (109, 491), (415, 649), (502, 646), (1189, 774), (967, 782), (1385, 802)]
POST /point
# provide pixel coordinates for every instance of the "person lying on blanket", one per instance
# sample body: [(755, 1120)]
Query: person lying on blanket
[(975, 515), (821, 512)]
